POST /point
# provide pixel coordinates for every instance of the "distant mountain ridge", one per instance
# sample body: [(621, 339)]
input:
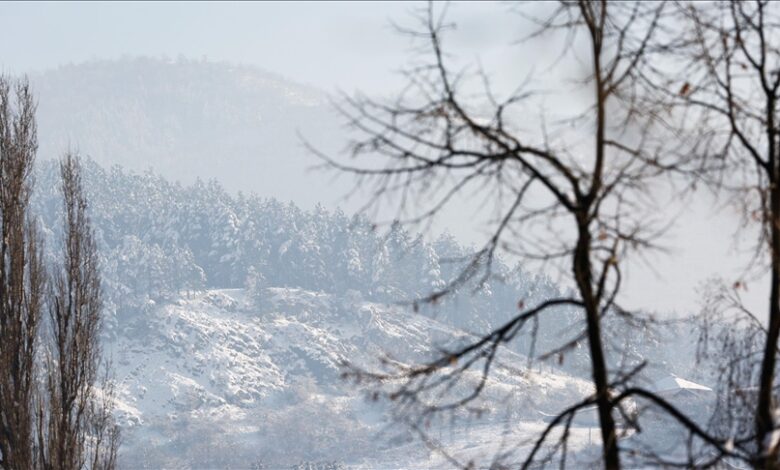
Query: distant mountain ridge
[(189, 119)]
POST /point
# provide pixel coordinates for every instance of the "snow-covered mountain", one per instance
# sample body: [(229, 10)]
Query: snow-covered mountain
[(229, 318)]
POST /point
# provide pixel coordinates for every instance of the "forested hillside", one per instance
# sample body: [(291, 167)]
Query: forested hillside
[(234, 317), (158, 239)]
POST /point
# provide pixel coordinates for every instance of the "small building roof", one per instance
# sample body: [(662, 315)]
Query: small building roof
[(673, 383)]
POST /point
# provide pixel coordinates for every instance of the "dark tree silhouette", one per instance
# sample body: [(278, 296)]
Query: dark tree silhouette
[(584, 206), (65, 425), (21, 277), (75, 429)]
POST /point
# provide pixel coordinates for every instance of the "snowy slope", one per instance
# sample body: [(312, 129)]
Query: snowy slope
[(213, 380)]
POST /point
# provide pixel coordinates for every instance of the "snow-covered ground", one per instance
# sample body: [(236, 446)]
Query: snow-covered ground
[(216, 380)]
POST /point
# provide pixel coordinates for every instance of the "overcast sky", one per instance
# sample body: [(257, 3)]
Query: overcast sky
[(331, 45), (345, 46)]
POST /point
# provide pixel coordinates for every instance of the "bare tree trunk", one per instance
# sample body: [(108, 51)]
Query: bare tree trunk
[(583, 277), (583, 273), (765, 422)]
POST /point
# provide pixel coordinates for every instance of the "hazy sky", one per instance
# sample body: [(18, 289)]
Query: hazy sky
[(326, 44), (336, 45)]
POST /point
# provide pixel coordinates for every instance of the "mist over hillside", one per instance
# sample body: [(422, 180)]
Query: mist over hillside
[(229, 320), (230, 313), (189, 119), (389, 235)]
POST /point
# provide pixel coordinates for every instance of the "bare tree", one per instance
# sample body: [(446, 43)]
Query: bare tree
[(75, 429), (585, 206), (21, 276), (728, 104)]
